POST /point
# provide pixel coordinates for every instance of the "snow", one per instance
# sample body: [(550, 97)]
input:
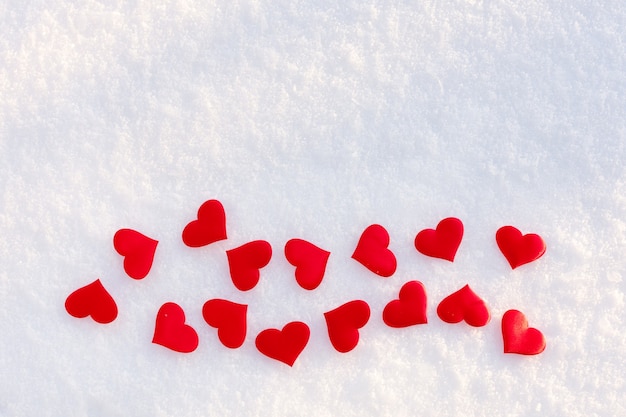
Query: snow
[(312, 120)]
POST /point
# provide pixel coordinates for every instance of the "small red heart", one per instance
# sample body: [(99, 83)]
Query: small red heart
[(519, 249), (208, 228), (464, 305), (172, 332), (245, 261), (137, 250), (344, 323), (441, 242), (92, 300), (372, 251), (518, 337), (409, 309), (310, 262), (284, 345), (229, 319)]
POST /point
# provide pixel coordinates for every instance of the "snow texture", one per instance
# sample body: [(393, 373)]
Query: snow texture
[(312, 120)]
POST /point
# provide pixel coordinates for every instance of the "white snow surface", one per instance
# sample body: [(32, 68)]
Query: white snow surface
[(312, 120)]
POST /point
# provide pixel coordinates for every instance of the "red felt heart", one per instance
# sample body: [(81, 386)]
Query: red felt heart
[(441, 242), (344, 323), (519, 249), (208, 228), (309, 260), (518, 337), (284, 345), (372, 251), (172, 332), (245, 261), (92, 300), (137, 250), (464, 305), (409, 309), (229, 319)]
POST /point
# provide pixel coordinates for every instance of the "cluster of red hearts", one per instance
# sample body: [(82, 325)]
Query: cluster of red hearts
[(309, 260)]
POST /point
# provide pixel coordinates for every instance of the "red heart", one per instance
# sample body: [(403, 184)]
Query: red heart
[(344, 323), (210, 226), (229, 319), (372, 251), (518, 337), (137, 250), (172, 332), (245, 261), (409, 309), (92, 300), (284, 345), (309, 260), (518, 249), (442, 242), (464, 305)]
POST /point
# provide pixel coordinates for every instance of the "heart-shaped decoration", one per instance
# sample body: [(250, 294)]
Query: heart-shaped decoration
[(519, 249), (137, 250), (92, 300), (372, 251), (409, 309), (284, 345), (344, 322), (229, 319), (310, 262), (245, 261), (208, 228), (464, 305), (172, 332), (518, 337), (441, 242)]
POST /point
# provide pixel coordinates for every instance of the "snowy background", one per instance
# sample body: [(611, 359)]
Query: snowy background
[(312, 120)]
